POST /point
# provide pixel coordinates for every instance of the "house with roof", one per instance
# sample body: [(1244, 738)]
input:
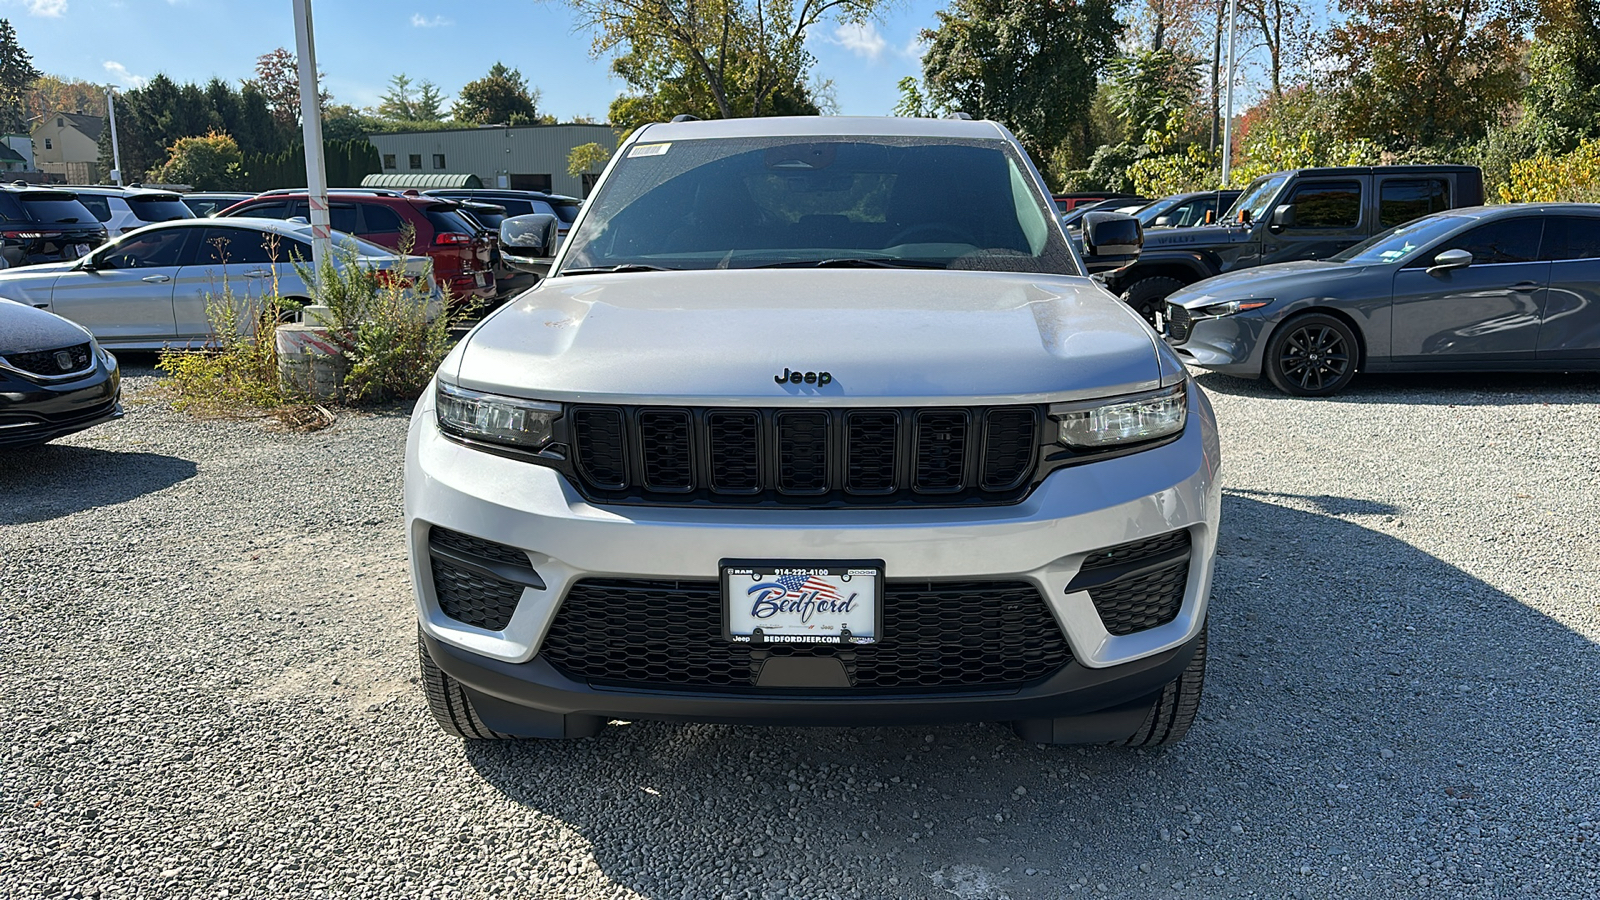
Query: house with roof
[(68, 145)]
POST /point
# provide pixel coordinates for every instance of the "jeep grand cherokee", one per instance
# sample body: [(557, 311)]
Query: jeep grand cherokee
[(815, 421)]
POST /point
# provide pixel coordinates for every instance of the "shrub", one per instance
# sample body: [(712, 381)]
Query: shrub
[(1568, 177)]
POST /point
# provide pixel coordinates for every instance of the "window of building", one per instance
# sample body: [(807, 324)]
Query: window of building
[(416, 160), (61, 123), (388, 161), (48, 145), (438, 160)]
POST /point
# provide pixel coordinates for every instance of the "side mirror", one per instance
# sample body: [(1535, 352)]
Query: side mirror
[(1110, 241), (1450, 259), (1162, 222), (1282, 217), (528, 243)]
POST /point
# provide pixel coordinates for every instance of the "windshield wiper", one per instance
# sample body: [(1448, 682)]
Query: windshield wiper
[(625, 267), (851, 262)]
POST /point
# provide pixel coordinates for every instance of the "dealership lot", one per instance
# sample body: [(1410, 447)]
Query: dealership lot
[(206, 643)]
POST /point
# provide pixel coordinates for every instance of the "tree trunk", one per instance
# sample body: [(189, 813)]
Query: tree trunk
[(1216, 76)]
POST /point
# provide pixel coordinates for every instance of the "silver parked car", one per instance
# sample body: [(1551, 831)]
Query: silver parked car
[(1507, 288), (148, 289)]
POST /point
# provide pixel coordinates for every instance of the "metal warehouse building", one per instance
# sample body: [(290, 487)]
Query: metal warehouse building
[(531, 157)]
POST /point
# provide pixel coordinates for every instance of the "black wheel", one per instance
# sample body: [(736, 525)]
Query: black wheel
[(1179, 703), (1312, 355), (1148, 295), (451, 706)]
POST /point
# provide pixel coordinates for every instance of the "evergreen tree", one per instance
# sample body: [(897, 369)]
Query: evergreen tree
[(17, 74)]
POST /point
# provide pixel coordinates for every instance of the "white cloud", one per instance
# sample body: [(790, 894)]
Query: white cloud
[(418, 20), (915, 48), (860, 39), (50, 9), (123, 76)]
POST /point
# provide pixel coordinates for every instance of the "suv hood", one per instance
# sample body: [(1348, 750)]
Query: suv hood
[(885, 337)]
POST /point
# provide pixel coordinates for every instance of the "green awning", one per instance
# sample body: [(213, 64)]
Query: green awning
[(422, 181)]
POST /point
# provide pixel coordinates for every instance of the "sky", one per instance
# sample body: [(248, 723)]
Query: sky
[(361, 43)]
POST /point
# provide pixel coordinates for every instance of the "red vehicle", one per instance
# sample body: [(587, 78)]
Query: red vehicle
[(461, 252), (1068, 202)]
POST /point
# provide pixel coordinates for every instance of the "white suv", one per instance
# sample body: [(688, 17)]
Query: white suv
[(815, 421), (122, 210)]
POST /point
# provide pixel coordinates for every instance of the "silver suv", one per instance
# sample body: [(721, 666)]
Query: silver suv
[(791, 435), (122, 209)]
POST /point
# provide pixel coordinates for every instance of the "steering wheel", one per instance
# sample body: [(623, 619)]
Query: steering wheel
[(929, 228)]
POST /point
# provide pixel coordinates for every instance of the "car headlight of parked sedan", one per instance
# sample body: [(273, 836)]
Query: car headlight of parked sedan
[(1122, 420), (1217, 310)]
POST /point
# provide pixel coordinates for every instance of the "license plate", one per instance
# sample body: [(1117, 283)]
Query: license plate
[(80, 250), (803, 603)]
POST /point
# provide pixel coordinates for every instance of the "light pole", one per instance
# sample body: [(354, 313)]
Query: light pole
[(1227, 119), (116, 152), (311, 129)]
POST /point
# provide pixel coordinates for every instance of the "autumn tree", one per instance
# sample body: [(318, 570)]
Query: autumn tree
[(278, 80), (1028, 64), (17, 74), (51, 94), (1412, 73), (211, 162), (501, 97)]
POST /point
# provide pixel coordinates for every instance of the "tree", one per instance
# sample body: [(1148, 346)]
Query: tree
[(746, 56), (1152, 92), (501, 97), (1562, 98), (1283, 28), (405, 102), (912, 103), (17, 74), (661, 86), (586, 158), (278, 80), (51, 94), (1412, 74), (208, 163), (1029, 64)]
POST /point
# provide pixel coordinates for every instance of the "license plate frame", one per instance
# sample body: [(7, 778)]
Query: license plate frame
[(833, 628)]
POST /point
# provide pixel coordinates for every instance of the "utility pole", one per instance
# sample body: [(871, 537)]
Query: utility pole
[(116, 152), (1227, 120), (311, 128)]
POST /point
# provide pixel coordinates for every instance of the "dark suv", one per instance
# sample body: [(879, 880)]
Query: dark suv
[(40, 226), (461, 252), (521, 203)]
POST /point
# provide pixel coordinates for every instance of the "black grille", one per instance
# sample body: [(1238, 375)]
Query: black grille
[(936, 636), (44, 362), (1178, 323), (1137, 585), (465, 583), (808, 457)]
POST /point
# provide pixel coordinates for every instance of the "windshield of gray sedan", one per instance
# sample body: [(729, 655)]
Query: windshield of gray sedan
[(735, 203), (1400, 241)]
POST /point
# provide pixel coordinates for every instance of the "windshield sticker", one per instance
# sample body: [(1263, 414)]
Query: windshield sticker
[(648, 150)]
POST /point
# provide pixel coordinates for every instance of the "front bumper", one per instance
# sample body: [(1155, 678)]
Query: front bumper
[(33, 411), (1042, 540), (1233, 345)]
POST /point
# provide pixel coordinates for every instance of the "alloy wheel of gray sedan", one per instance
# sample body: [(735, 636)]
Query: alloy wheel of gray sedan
[(1313, 355)]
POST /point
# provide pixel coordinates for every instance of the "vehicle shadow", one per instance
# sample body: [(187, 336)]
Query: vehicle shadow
[(1370, 709), (46, 482), (1443, 389)]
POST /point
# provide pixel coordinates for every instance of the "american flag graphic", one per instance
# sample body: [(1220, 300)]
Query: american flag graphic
[(808, 584)]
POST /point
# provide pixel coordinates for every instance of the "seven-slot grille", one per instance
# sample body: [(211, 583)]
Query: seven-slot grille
[(804, 456), (1178, 323)]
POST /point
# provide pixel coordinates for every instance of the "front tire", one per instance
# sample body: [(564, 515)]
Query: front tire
[(1148, 295), (1175, 710), (1312, 355), (449, 703)]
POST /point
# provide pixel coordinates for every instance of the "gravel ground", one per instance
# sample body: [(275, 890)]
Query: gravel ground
[(206, 654)]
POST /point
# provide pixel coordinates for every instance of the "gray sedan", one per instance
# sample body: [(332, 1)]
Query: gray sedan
[(148, 289), (1508, 288)]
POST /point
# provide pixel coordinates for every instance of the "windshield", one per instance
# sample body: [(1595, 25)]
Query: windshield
[(919, 202), (1256, 197), (55, 208), (159, 209), (566, 210), (1400, 241), (1148, 214)]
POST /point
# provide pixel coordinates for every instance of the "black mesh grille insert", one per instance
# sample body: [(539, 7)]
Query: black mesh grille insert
[(1145, 595), (466, 543), (937, 636), (601, 446), (804, 456), (1179, 322), (802, 452), (45, 362), (1133, 551), (1008, 447), (941, 450), (475, 599), (735, 439), (668, 449), (870, 449)]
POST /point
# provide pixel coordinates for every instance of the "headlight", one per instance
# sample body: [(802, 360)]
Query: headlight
[(1229, 308), (491, 417), (1122, 420)]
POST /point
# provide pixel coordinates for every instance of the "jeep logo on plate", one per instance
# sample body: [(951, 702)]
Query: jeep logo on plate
[(803, 377), (64, 360)]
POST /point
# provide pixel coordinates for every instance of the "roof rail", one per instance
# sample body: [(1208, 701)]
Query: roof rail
[(958, 114)]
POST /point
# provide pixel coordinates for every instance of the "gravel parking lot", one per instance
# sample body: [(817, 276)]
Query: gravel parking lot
[(207, 660)]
